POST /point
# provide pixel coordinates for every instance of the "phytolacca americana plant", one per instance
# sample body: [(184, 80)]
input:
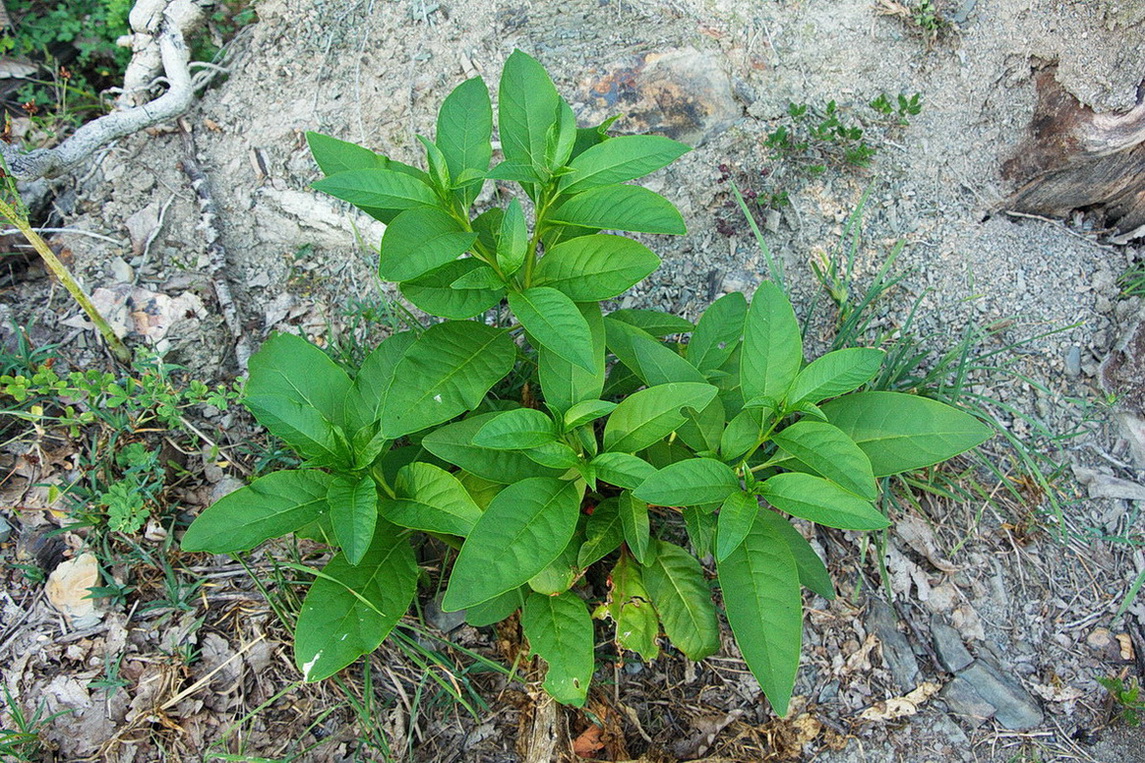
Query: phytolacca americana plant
[(682, 450)]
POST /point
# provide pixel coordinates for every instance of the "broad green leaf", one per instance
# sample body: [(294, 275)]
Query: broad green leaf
[(431, 499), (702, 429), (761, 598), (557, 455), (561, 138), (737, 515), (630, 607), (676, 583), (701, 526), (274, 505), (829, 452), (772, 347), (820, 500), (649, 358), (559, 630), (694, 482), (445, 372), (481, 490), (527, 106), (454, 444), (592, 268), (372, 384), (434, 292), (603, 533), (622, 469), (516, 430), (727, 378), (559, 575), (334, 156), (513, 240), (420, 240), (718, 332), (377, 189), (652, 322), (812, 571), (482, 278), (634, 523), (565, 384), (487, 226), (350, 609), (354, 514), (525, 528), (900, 433), (621, 207), (438, 167), (496, 609), (617, 160), (555, 323), (397, 459), (834, 374), (652, 414), (585, 411), (514, 172), (587, 137), (464, 132), (299, 394)]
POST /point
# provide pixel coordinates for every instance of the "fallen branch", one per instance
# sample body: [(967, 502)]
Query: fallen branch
[(160, 28), (64, 276), (216, 252)]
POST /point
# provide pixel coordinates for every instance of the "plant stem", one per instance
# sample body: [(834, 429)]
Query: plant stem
[(64, 276)]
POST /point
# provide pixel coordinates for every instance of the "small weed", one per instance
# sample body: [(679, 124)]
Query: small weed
[(923, 16), (1127, 698), (817, 138), (20, 736), (1132, 282)]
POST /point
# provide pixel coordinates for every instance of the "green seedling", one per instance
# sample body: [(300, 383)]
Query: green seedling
[(1126, 695), (559, 437)]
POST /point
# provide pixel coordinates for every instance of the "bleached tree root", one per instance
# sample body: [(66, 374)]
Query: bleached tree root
[(160, 28)]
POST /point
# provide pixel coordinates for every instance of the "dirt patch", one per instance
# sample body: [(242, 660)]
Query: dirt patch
[(1022, 589)]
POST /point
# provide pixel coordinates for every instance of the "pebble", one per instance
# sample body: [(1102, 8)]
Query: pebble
[(897, 654), (982, 691), (952, 653), (443, 621), (1073, 361), (5, 530)]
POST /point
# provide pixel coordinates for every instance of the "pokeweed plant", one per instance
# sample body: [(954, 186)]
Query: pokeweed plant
[(637, 441)]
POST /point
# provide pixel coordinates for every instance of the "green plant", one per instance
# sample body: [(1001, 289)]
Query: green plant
[(815, 138), (152, 392), (1127, 697), (562, 437), (85, 31), (21, 740)]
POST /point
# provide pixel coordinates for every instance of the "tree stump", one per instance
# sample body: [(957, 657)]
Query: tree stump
[(1077, 159)]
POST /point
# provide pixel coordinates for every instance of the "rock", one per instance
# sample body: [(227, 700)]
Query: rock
[(897, 652), (984, 685), (225, 486), (965, 701), (67, 590), (443, 621), (1073, 361), (952, 653), (5, 530), (684, 94)]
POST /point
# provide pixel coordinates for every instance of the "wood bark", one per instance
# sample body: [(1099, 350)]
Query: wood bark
[(1077, 159)]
